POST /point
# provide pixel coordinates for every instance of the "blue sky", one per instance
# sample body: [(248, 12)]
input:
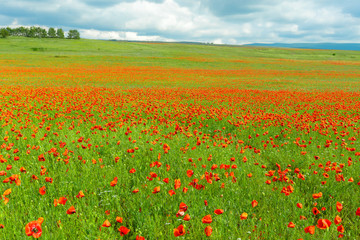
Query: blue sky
[(215, 21)]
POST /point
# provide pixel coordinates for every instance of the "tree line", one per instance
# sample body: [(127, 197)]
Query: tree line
[(38, 32)]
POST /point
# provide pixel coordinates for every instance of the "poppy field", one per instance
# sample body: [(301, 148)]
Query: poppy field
[(119, 140)]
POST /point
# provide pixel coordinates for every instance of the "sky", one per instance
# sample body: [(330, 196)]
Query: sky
[(206, 21)]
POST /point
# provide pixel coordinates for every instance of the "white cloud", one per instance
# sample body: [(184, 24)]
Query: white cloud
[(120, 35), (227, 21)]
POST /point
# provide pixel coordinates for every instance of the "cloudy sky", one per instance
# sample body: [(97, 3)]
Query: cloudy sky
[(216, 21)]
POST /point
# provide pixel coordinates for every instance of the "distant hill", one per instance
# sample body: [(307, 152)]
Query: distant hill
[(330, 46)]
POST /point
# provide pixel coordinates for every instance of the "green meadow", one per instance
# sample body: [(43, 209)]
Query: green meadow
[(109, 140)]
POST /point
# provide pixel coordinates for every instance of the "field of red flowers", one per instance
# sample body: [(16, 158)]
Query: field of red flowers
[(212, 144)]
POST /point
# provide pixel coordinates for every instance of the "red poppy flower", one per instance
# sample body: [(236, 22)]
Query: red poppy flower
[(139, 238), (218, 211), (135, 191), (317, 195), (208, 231), (340, 228), (80, 195), (114, 182), (171, 192), (34, 228), (177, 184), (189, 173), (179, 231), (358, 212), (243, 216), (42, 190), (324, 223), (156, 190), (315, 211), (62, 200), (71, 210), (186, 217), (119, 219), (207, 219), (254, 203), (337, 220), (180, 213), (299, 205), (7, 192), (49, 179), (106, 223), (41, 158), (339, 206), (310, 229), (123, 230), (291, 225), (183, 207)]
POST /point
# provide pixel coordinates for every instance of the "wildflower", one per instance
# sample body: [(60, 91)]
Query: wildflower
[(186, 217), (208, 231), (80, 195), (317, 195), (123, 230), (34, 228), (340, 228), (337, 220), (339, 206), (315, 211), (156, 190), (179, 231), (106, 223), (218, 211), (243, 216), (207, 219), (323, 223), (310, 229), (71, 210), (42, 190)]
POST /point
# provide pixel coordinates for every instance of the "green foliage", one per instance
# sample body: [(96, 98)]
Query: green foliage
[(60, 33), (73, 34), (51, 33), (38, 32), (4, 33)]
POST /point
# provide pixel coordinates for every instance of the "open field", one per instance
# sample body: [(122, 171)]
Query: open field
[(99, 133)]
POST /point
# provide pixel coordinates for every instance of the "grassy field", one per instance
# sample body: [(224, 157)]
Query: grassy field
[(124, 140)]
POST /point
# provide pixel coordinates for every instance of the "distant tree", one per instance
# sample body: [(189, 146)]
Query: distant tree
[(51, 33), (10, 31), (60, 33), (4, 33), (73, 34), (21, 31), (32, 32), (43, 33)]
